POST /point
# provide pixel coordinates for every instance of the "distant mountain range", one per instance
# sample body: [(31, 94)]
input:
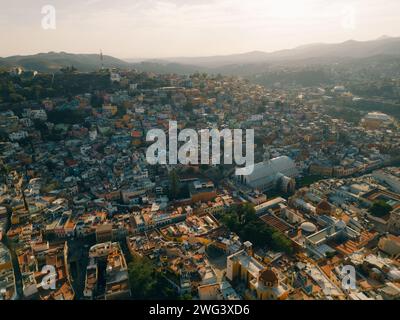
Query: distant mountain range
[(242, 64), (318, 52)]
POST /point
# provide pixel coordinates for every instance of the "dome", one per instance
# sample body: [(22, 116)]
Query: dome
[(340, 225), (267, 276), (308, 227)]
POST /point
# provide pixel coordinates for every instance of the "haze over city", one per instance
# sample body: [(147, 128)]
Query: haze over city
[(170, 28)]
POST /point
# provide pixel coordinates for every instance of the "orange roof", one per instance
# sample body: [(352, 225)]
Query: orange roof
[(136, 134)]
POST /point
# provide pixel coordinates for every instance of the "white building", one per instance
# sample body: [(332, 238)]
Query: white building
[(389, 179), (39, 114), (19, 135), (379, 116), (275, 173), (115, 77)]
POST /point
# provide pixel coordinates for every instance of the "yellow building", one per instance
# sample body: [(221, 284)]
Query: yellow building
[(261, 282), (267, 287), (323, 170), (110, 109)]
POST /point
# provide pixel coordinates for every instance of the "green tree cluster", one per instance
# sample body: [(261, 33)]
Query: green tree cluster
[(147, 283), (380, 209), (213, 251), (243, 221), (16, 89), (67, 116)]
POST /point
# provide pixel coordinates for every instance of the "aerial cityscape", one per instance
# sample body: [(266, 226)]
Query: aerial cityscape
[(266, 175)]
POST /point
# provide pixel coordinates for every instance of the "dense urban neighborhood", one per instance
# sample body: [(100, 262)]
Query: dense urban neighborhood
[(83, 215)]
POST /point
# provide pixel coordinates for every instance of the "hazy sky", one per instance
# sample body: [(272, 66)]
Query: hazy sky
[(169, 28)]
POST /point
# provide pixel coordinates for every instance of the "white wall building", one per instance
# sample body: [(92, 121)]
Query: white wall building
[(275, 173)]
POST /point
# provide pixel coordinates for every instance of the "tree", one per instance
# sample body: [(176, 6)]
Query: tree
[(213, 251), (147, 283), (281, 243), (3, 135), (173, 185), (242, 220), (15, 98), (380, 208), (186, 296), (96, 101), (67, 116), (330, 254), (69, 69), (261, 109), (42, 127), (141, 278), (121, 111)]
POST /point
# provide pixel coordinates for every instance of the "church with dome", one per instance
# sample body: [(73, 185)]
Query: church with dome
[(260, 282), (278, 173)]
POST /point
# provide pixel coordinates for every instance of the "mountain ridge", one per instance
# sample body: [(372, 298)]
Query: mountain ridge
[(242, 63), (351, 48)]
